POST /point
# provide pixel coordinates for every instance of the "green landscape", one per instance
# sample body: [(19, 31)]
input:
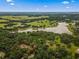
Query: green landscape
[(39, 36)]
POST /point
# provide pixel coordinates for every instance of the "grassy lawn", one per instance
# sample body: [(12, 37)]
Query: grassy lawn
[(42, 23), (20, 21), (22, 17), (2, 25), (3, 20)]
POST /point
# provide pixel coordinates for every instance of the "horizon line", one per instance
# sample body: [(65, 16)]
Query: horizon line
[(38, 12)]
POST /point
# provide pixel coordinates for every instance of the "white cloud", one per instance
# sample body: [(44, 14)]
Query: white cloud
[(67, 7), (45, 6), (12, 4), (9, 0), (65, 2), (72, 0)]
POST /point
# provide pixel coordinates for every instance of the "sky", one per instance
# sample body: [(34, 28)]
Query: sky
[(39, 5)]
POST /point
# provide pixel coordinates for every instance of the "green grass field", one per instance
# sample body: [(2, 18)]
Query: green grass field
[(24, 21)]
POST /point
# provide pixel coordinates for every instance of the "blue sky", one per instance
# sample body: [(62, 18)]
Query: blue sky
[(39, 5)]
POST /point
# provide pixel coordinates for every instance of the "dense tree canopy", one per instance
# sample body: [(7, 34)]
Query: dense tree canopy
[(38, 45)]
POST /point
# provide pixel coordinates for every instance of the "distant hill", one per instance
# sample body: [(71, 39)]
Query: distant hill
[(35, 13)]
